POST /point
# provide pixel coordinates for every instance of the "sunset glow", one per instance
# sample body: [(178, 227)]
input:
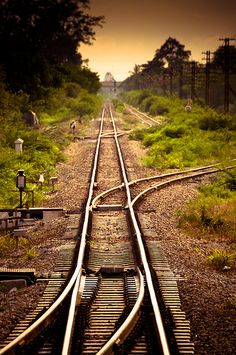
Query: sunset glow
[(134, 29)]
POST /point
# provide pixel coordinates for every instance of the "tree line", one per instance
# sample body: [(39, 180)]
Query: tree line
[(171, 72), (39, 42)]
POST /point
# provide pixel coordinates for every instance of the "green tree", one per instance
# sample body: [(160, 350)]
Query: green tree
[(38, 36), (219, 58), (171, 54)]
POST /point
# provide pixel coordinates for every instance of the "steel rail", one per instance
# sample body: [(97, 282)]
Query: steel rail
[(153, 177), (43, 320), (71, 317), (122, 333), (138, 113), (165, 183), (70, 323), (156, 310)]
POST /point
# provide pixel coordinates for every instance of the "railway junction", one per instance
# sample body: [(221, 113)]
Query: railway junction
[(113, 285)]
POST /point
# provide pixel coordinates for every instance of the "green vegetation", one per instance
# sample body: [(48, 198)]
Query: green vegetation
[(189, 139), (7, 245), (30, 253), (42, 71), (42, 147), (215, 208), (183, 139), (39, 42), (221, 259), (172, 72), (212, 215)]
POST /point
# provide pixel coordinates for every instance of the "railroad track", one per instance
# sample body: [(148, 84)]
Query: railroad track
[(143, 117), (121, 296)]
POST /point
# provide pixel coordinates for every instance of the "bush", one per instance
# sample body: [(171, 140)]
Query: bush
[(30, 253), (157, 109), (212, 213), (213, 121), (204, 137), (147, 103), (174, 132), (7, 245), (221, 258)]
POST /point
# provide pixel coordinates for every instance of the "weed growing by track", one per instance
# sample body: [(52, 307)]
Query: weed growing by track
[(184, 139), (212, 216)]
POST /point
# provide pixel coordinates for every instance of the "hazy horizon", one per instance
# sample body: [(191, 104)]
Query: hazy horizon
[(134, 29)]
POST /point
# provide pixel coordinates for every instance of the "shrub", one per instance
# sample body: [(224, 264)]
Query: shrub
[(213, 121), (7, 244), (221, 258), (30, 253), (137, 134), (174, 131), (147, 103), (157, 109), (119, 106)]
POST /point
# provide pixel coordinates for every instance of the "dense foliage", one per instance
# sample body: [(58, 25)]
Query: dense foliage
[(38, 38), (43, 147), (42, 71), (183, 139)]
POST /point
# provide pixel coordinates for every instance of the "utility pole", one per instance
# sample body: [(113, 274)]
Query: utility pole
[(226, 71), (164, 83), (193, 79), (171, 80), (207, 78), (181, 74)]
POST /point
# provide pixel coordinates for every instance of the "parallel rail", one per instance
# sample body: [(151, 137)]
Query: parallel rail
[(142, 116), (128, 324)]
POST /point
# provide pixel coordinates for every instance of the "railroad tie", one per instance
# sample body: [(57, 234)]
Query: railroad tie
[(104, 313)]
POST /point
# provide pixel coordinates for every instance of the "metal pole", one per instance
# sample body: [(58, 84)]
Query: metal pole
[(226, 71), (181, 70), (193, 79), (207, 93), (171, 81), (21, 204)]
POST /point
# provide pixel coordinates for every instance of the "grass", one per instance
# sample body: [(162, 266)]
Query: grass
[(213, 211), (221, 259), (211, 216), (30, 253), (42, 148), (184, 139), (7, 245), (190, 139)]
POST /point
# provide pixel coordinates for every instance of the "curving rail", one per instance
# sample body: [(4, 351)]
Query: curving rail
[(127, 326), (122, 333), (205, 170)]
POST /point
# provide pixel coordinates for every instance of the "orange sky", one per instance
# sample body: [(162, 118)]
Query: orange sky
[(134, 29)]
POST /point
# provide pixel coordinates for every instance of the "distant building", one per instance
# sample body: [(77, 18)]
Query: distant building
[(109, 77), (109, 85)]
